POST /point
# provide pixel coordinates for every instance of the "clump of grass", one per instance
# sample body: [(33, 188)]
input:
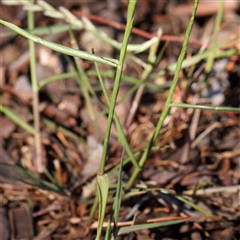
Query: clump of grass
[(85, 87)]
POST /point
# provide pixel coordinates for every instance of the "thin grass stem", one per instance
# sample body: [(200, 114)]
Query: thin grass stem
[(202, 107), (131, 9)]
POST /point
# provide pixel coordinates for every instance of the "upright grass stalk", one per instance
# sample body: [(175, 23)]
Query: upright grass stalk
[(102, 179), (36, 115), (169, 98), (130, 17)]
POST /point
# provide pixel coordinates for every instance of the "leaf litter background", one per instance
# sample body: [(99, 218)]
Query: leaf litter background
[(205, 170)]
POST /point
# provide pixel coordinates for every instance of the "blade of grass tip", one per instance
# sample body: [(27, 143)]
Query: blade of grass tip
[(60, 48), (169, 98), (122, 138), (54, 78), (227, 53), (162, 51), (51, 11), (102, 189), (202, 107), (71, 18), (194, 206), (137, 60), (36, 114), (130, 16), (17, 120)]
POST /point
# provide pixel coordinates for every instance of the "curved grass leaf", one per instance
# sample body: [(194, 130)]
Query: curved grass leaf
[(60, 48)]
